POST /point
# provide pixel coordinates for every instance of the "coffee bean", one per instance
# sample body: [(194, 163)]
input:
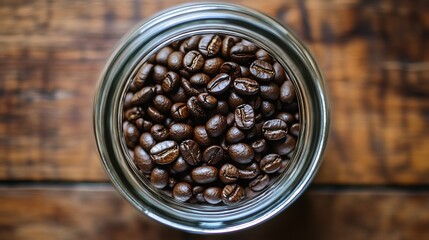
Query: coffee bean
[(193, 61), (155, 115), (286, 117), (241, 153), (171, 182), (159, 72), (210, 45), (230, 119), (219, 84), (262, 70), (162, 55), (190, 152), (267, 109), (255, 102), (234, 135), (201, 136), (259, 183), (207, 101), (170, 82), (270, 91), (174, 61), (143, 96), (158, 89), (131, 134), (187, 87), (164, 152), (285, 146), (245, 72), (244, 116), (227, 44), (246, 86), (251, 133), (179, 111), (259, 145), (204, 174), (159, 177), (232, 194), (195, 108), (143, 125), (141, 77), (134, 113), (142, 160), (147, 141), (200, 79), (212, 65), (284, 166), (231, 68), (263, 55), (162, 103), (159, 132), (127, 100), (216, 125), (190, 44), (182, 191), (280, 75), (294, 129), (180, 131), (234, 100), (249, 172), (228, 173), (213, 155), (287, 92), (180, 165), (274, 129), (179, 95), (271, 163), (222, 107), (243, 53), (213, 195)]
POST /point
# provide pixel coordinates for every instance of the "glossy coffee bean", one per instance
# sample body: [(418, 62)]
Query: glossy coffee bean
[(249, 172), (182, 191), (195, 108), (170, 82), (234, 135), (245, 72), (232, 194), (180, 131), (231, 68), (244, 116), (159, 132), (213, 195), (164, 152), (219, 84), (187, 87), (267, 109), (133, 113), (213, 155), (246, 86), (147, 141), (261, 70), (227, 44), (270, 163), (162, 55), (190, 44), (228, 173), (199, 79), (259, 183), (235, 100), (280, 75), (159, 72), (143, 96), (255, 102), (180, 165), (174, 61), (222, 107), (162, 103), (143, 125), (190, 152), (179, 111), (143, 160), (243, 54), (294, 129), (259, 145), (270, 91), (210, 45), (230, 119), (263, 55), (155, 115), (274, 129), (287, 92), (207, 101), (204, 174), (193, 61), (241, 153), (171, 182), (288, 118), (131, 134), (212, 65), (216, 125), (201, 136), (179, 95), (159, 177), (127, 100), (141, 77), (284, 166), (285, 146)]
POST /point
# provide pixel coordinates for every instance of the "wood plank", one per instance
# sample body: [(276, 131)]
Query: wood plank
[(374, 56), (91, 212)]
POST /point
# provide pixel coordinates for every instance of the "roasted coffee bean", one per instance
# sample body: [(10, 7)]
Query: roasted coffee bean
[(131, 134), (190, 152), (201, 136), (142, 160), (143, 125), (134, 113), (127, 100), (261, 70), (271, 163), (286, 117), (227, 44), (213, 155), (216, 125), (285, 146), (180, 165), (259, 145), (230, 119), (190, 44), (219, 84), (179, 111), (228, 173), (232, 194), (159, 72), (234, 135), (249, 172), (294, 129), (270, 91), (200, 79), (162, 55), (193, 61), (195, 108), (251, 133), (207, 101), (257, 157), (164, 152), (255, 102), (176, 44), (284, 166), (143, 96), (241, 153), (244, 116), (197, 189), (280, 75), (187, 178), (263, 55), (158, 89), (175, 60), (267, 109), (274, 129), (180, 131), (246, 86), (243, 53), (147, 141), (287, 92), (155, 115), (170, 82), (141, 77), (222, 107), (187, 87), (245, 72), (159, 177), (212, 65), (231, 68), (159, 132), (200, 198), (182, 191), (204, 174), (213, 195), (210, 45), (168, 122), (162, 103), (171, 182), (259, 183), (235, 100)]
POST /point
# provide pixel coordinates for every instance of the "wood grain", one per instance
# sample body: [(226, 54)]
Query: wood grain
[(374, 55), (93, 212)]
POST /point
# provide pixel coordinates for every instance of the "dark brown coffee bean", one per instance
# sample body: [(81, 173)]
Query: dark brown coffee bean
[(216, 125), (222, 107), (159, 177), (131, 134), (235, 100), (219, 84), (232, 194), (287, 92), (268, 109), (171, 182), (227, 44), (162, 103), (199, 197), (271, 163), (158, 89), (228, 173), (259, 145), (180, 131), (255, 102), (187, 87), (168, 122), (164, 152), (159, 132), (195, 108), (209, 45), (285, 146), (269, 92), (143, 125), (274, 129), (201, 136), (212, 65), (179, 111), (285, 165), (155, 115), (241, 153), (174, 61), (243, 54), (170, 82), (261, 70), (249, 172), (142, 160), (207, 101), (234, 135), (200, 79), (245, 72), (190, 152), (230, 119), (143, 96), (190, 44), (251, 133), (294, 129), (162, 55), (259, 183), (127, 100), (286, 117), (231, 68), (159, 72), (257, 157), (280, 75), (180, 165), (133, 114), (182, 191), (244, 116), (147, 141), (213, 195), (246, 86), (263, 55), (193, 61), (213, 155), (141, 77), (204, 174)]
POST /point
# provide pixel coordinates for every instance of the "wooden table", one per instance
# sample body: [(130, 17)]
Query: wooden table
[(374, 181)]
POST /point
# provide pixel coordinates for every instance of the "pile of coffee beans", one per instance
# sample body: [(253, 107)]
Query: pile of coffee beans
[(211, 119)]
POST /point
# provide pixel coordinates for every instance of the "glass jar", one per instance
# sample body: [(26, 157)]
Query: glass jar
[(205, 18)]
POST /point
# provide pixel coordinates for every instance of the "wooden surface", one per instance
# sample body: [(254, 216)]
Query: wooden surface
[(373, 54)]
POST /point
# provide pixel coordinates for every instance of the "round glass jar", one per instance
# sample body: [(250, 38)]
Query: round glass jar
[(211, 18)]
